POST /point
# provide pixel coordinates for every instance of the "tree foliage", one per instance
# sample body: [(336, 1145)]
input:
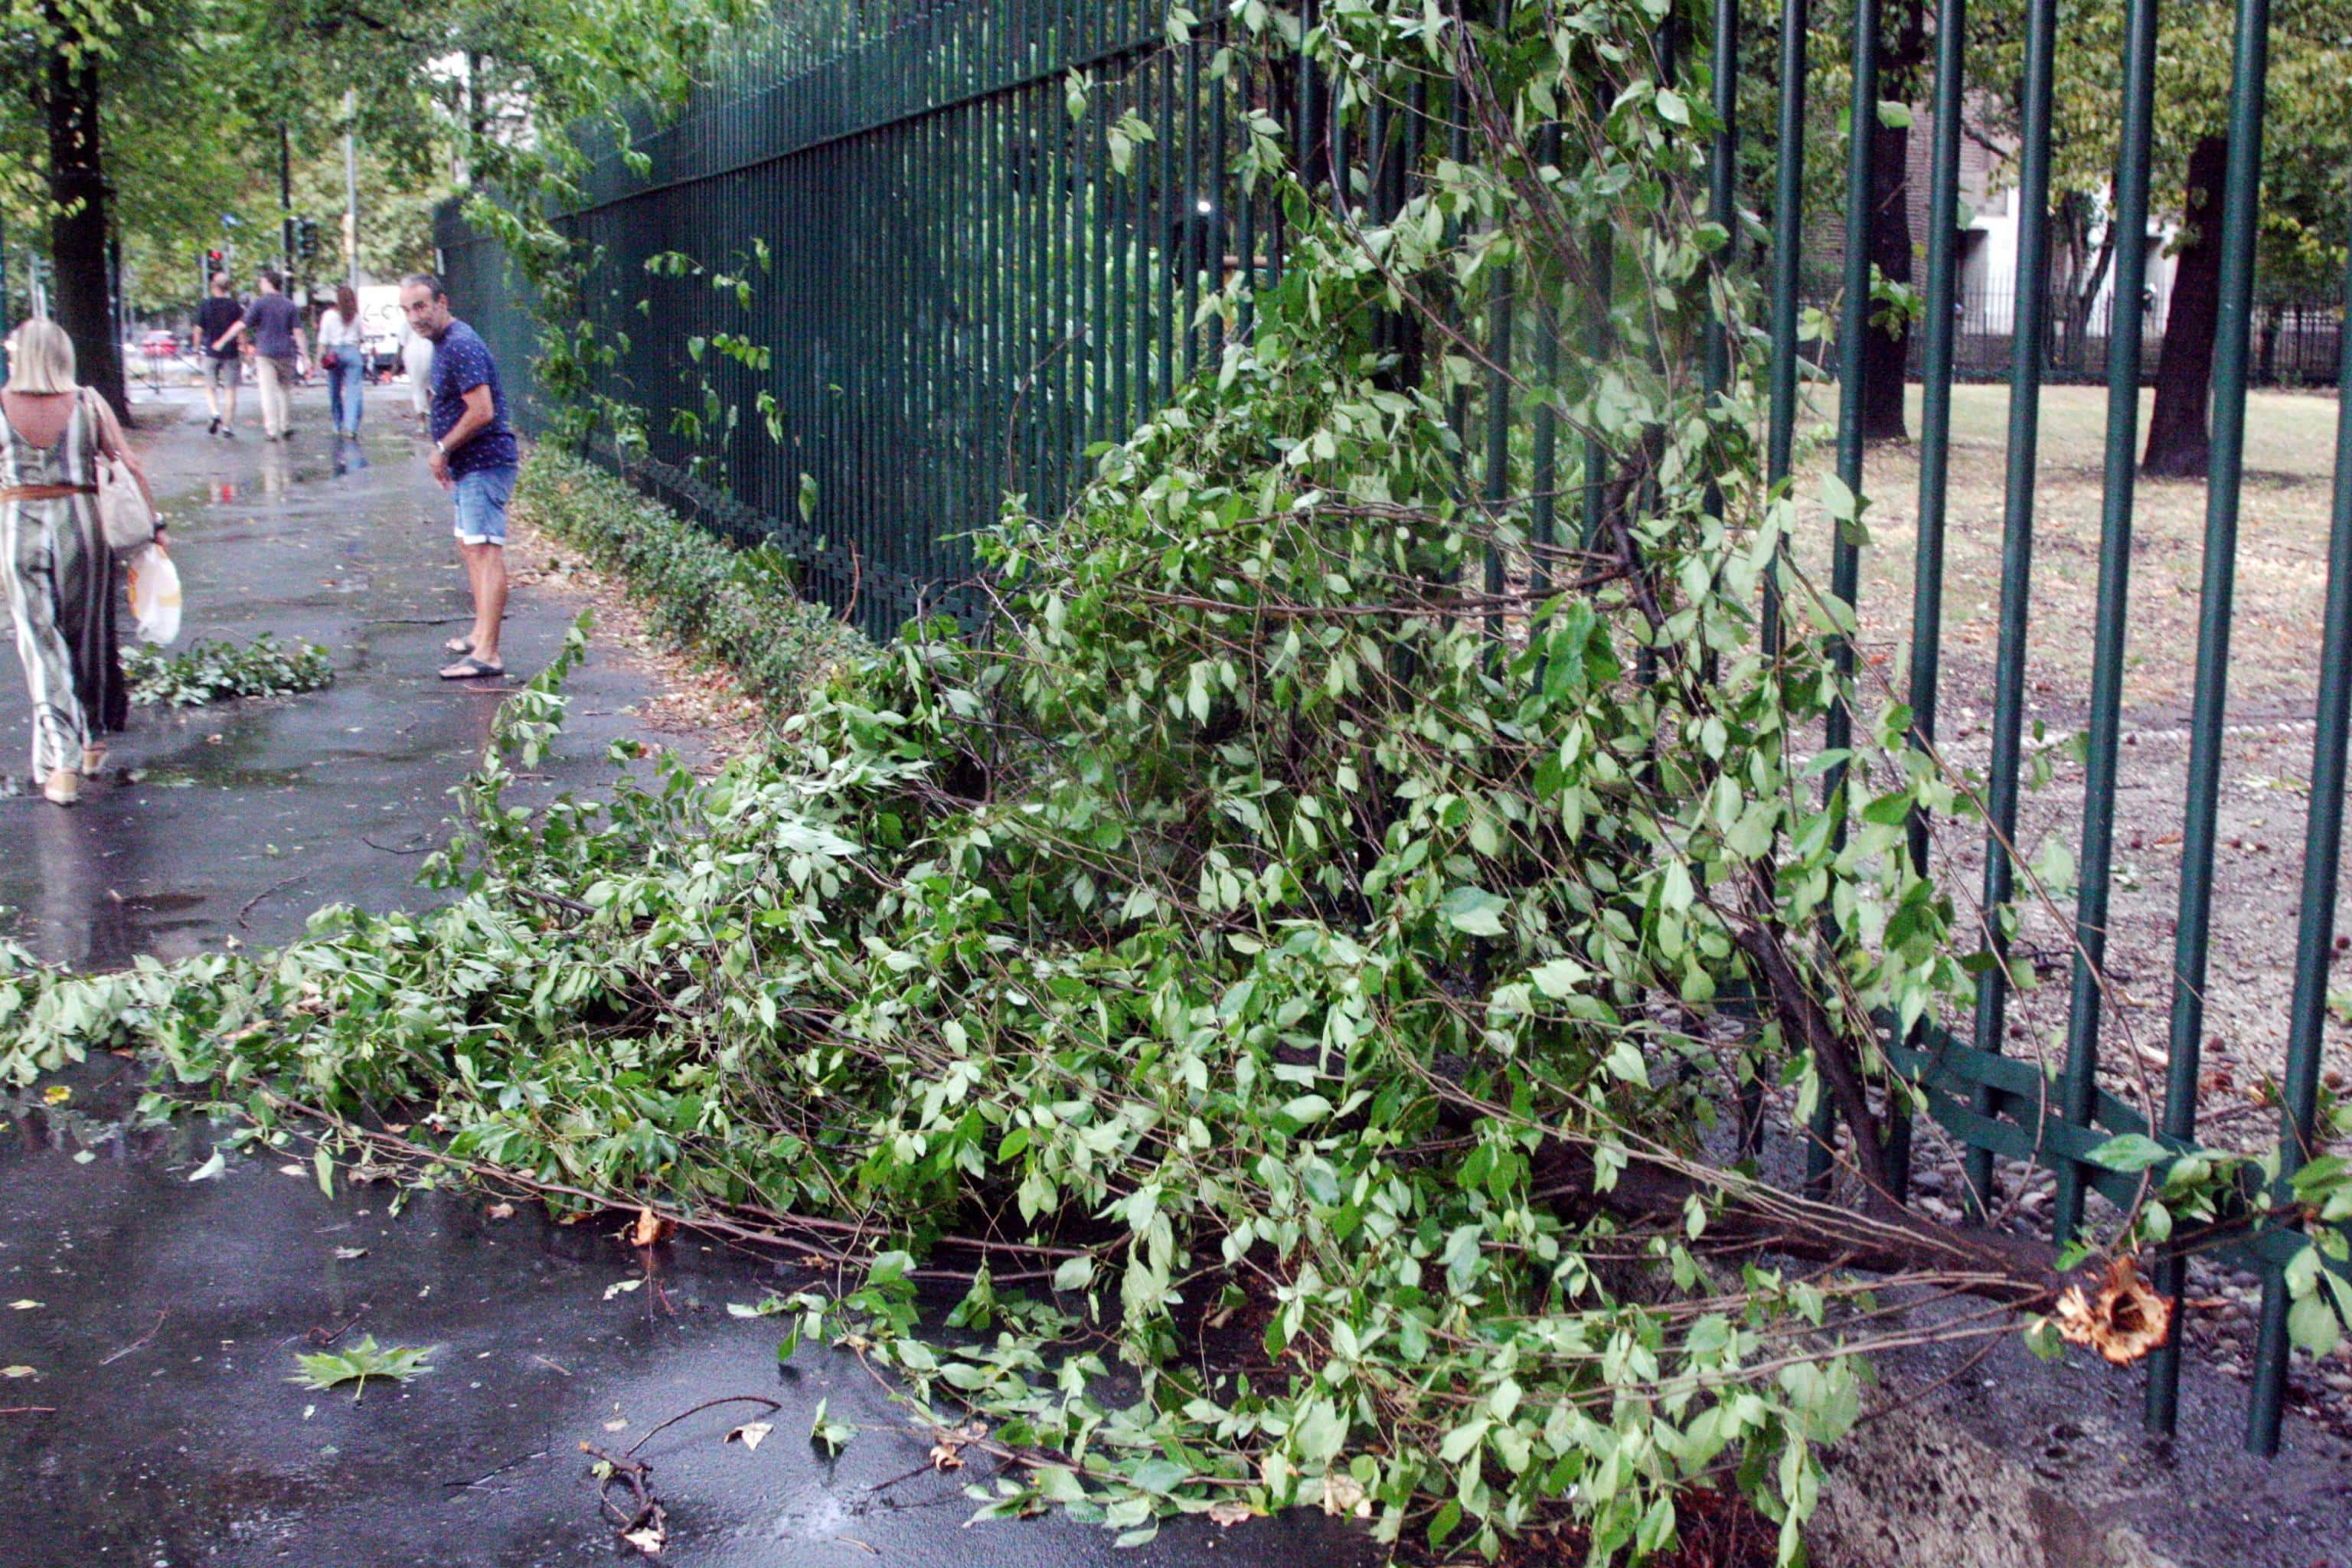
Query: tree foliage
[(1287, 968)]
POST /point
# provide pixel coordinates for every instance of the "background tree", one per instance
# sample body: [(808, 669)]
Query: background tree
[(2307, 149), (93, 157)]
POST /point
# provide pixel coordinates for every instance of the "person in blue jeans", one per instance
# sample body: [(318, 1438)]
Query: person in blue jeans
[(475, 455), (343, 355)]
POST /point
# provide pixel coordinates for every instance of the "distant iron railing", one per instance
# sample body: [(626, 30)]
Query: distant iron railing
[(2296, 343), (940, 291)]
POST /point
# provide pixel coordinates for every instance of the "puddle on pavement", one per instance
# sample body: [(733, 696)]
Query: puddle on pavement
[(171, 1312)]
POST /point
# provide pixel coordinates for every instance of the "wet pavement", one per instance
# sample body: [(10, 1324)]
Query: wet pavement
[(166, 1316), (236, 820), (149, 1323)]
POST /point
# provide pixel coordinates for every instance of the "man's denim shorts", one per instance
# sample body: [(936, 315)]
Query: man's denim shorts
[(482, 497)]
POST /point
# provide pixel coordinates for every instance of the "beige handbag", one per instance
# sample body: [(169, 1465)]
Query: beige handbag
[(123, 516)]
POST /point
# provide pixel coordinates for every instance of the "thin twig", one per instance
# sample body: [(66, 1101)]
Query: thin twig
[(502, 1469), (772, 1405), (140, 1342), (278, 887)]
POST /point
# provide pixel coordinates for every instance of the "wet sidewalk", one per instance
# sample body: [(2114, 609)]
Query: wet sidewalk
[(237, 819), (151, 1309), (165, 1315)]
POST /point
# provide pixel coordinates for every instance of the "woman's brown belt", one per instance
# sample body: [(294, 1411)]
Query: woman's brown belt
[(44, 493)]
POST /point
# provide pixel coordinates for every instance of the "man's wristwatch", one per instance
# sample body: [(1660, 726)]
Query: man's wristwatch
[(440, 448)]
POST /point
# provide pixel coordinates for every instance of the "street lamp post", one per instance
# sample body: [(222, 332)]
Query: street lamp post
[(352, 183)]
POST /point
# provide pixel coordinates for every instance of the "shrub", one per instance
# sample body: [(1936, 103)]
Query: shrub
[(734, 605)]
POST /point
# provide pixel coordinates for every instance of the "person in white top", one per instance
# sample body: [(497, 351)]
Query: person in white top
[(417, 359), (343, 355)]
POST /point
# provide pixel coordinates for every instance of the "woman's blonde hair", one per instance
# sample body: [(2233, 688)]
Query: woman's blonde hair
[(41, 359)]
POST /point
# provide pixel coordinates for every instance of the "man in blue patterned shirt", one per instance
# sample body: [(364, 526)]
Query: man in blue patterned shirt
[(475, 457)]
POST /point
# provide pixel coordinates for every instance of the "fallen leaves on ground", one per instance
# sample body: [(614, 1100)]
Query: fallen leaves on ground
[(2123, 1323), (359, 1362), (649, 1229), (749, 1434)]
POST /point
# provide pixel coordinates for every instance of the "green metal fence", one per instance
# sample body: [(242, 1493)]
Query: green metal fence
[(887, 246)]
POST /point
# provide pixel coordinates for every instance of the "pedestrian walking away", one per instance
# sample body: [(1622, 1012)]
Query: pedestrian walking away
[(343, 355), (61, 576), (274, 326), (224, 372), (475, 455)]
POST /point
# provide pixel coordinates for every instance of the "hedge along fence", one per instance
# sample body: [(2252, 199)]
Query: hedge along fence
[(1524, 223), (737, 605)]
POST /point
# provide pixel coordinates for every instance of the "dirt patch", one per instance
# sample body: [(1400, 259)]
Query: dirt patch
[(694, 698), (2274, 645)]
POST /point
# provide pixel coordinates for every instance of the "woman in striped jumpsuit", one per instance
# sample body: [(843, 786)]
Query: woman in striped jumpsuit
[(61, 579)]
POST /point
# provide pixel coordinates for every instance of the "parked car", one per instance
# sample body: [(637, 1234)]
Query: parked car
[(160, 345)]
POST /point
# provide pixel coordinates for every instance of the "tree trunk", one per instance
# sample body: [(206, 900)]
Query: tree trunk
[(1886, 356), (77, 231), (2178, 447)]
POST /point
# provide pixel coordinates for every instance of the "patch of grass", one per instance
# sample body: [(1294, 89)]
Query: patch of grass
[(213, 672), (739, 607)]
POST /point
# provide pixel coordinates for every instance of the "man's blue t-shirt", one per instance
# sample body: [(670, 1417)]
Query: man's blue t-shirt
[(461, 362), (271, 320)]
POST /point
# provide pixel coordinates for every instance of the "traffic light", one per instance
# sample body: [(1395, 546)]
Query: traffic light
[(213, 262), (305, 238)]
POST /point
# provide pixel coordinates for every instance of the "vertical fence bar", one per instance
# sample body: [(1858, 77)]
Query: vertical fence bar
[(1934, 442), (1723, 209), (1220, 169), (1543, 503), (1246, 191), (1845, 560), (2079, 1079), (1498, 468), (1722, 198), (2240, 210), (1787, 242), (1600, 278), (2315, 938), (1194, 225), (1165, 230), (1853, 337), (2016, 553)]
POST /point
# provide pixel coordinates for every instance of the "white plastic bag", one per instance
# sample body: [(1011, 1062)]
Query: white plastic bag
[(155, 594)]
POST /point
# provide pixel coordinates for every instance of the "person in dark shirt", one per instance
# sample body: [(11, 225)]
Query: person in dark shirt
[(474, 457), (274, 324), (222, 371)]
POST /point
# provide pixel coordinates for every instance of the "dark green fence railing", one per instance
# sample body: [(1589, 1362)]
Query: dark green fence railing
[(882, 254)]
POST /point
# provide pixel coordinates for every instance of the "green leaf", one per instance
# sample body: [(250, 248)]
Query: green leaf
[(2130, 1151), (356, 1363), (1474, 910), (1464, 1438), (1306, 1109), (1558, 978), (2312, 1324)]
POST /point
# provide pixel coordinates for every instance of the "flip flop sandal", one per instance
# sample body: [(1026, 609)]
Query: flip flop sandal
[(458, 645), (471, 668)]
